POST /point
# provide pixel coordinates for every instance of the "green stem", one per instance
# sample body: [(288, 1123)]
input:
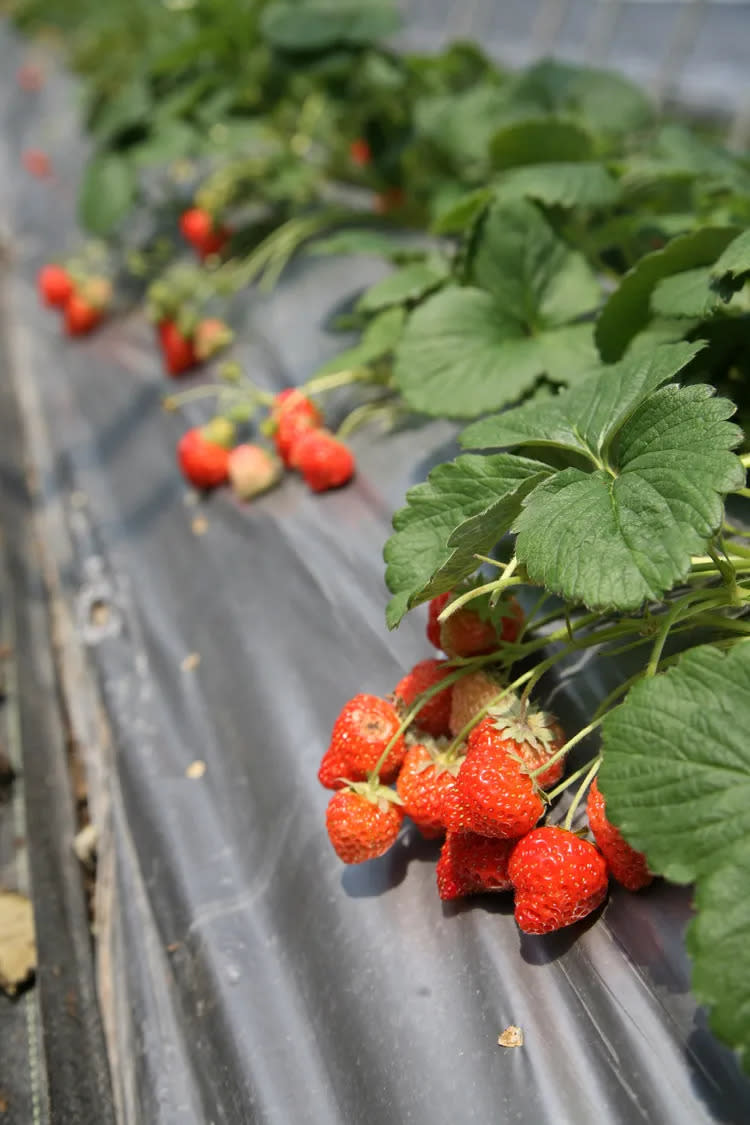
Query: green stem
[(323, 383), (497, 584), (549, 797), (583, 733), (661, 638), (593, 770)]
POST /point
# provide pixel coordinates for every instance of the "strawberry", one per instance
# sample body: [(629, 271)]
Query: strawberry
[(532, 738), (30, 77), (324, 461), (55, 285), (558, 878), (202, 232), (422, 783), (177, 349), (210, 337), (292, 415), (471, 694), (433, 717), (435, 608), (363, 822), (392, 199), (471, 864), (80, 316), (252, 470), (360, 735), (628, 866), (204, 463), (495, 793), (360, 152), (37, 163)]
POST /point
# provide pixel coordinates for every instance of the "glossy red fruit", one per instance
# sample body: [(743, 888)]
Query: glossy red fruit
[(628, 866), (558, 878), (434, 609), (365, 726), (467, 633), (423, 781), (203, 463), (497, 796), (471, 864), (533, 737), (55, 285), (323, 460), (177, 349), (434, 716), (202, 232), (81, 317), (361, 825)]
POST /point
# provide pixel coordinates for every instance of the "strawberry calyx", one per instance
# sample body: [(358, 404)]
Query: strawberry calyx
[(374, 792), (516, 721), (220, 431), (443, 756)]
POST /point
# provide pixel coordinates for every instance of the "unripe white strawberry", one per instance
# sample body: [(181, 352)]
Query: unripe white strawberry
[(252, 470)]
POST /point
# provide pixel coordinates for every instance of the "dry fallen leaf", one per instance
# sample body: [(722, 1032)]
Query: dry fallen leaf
[(511, 1037), (199, 525), (191, 661), (17, 944), (195, 770)]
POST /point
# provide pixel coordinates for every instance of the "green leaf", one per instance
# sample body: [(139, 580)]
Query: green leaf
[(628, 309), (676, 778), (461, 125), (687, 294), (605, 101), (349, 242), (660, 458), (533, 275), (132, 106), (378, 340), (734, 263), (170, 141), (462, 214), (461, 355), (453, 492), (540, 141), (560, 184), (107, 193), (410, 283), (316, 24)]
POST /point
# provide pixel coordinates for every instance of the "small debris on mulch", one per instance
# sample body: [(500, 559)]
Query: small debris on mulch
[(190, 662), (17, 941), (84, 845), (511, 1037), (195, 770)]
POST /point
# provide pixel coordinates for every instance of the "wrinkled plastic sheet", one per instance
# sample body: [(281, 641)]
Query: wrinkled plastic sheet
[(244, 974)]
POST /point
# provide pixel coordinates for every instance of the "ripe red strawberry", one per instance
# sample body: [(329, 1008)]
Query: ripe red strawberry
[(453, 811), (37, 163), (363, 822), (80, 316), (628, 866), (252, 470), (204, 463), (324, 461), (360, 152), (210, 337), (471, 864), (434, 609), (474, 692), (434, 716), (497, 795), (360, 735), (55, 285), (392, 199), (532, 738), (292, 416), (558, 878), (177, 349), (202, 232), (423, 781)]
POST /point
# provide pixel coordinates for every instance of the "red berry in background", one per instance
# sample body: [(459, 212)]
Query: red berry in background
[(360, 734), (558, 878), (392, 199), (423, 781), (203, 463), (30, 77), (360, 152), (361, 825), (252, 470), (324, 461), (471, 864), (434, 716), (177, 349), (435, 608), (55, 285), (81, 317), (211, 336), (628, 866), (37, 163), (201, 231)]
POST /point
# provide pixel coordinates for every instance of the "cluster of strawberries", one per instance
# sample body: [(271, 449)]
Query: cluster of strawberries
[(470, 767), (183, 348), (83, 301), (207, 458)]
